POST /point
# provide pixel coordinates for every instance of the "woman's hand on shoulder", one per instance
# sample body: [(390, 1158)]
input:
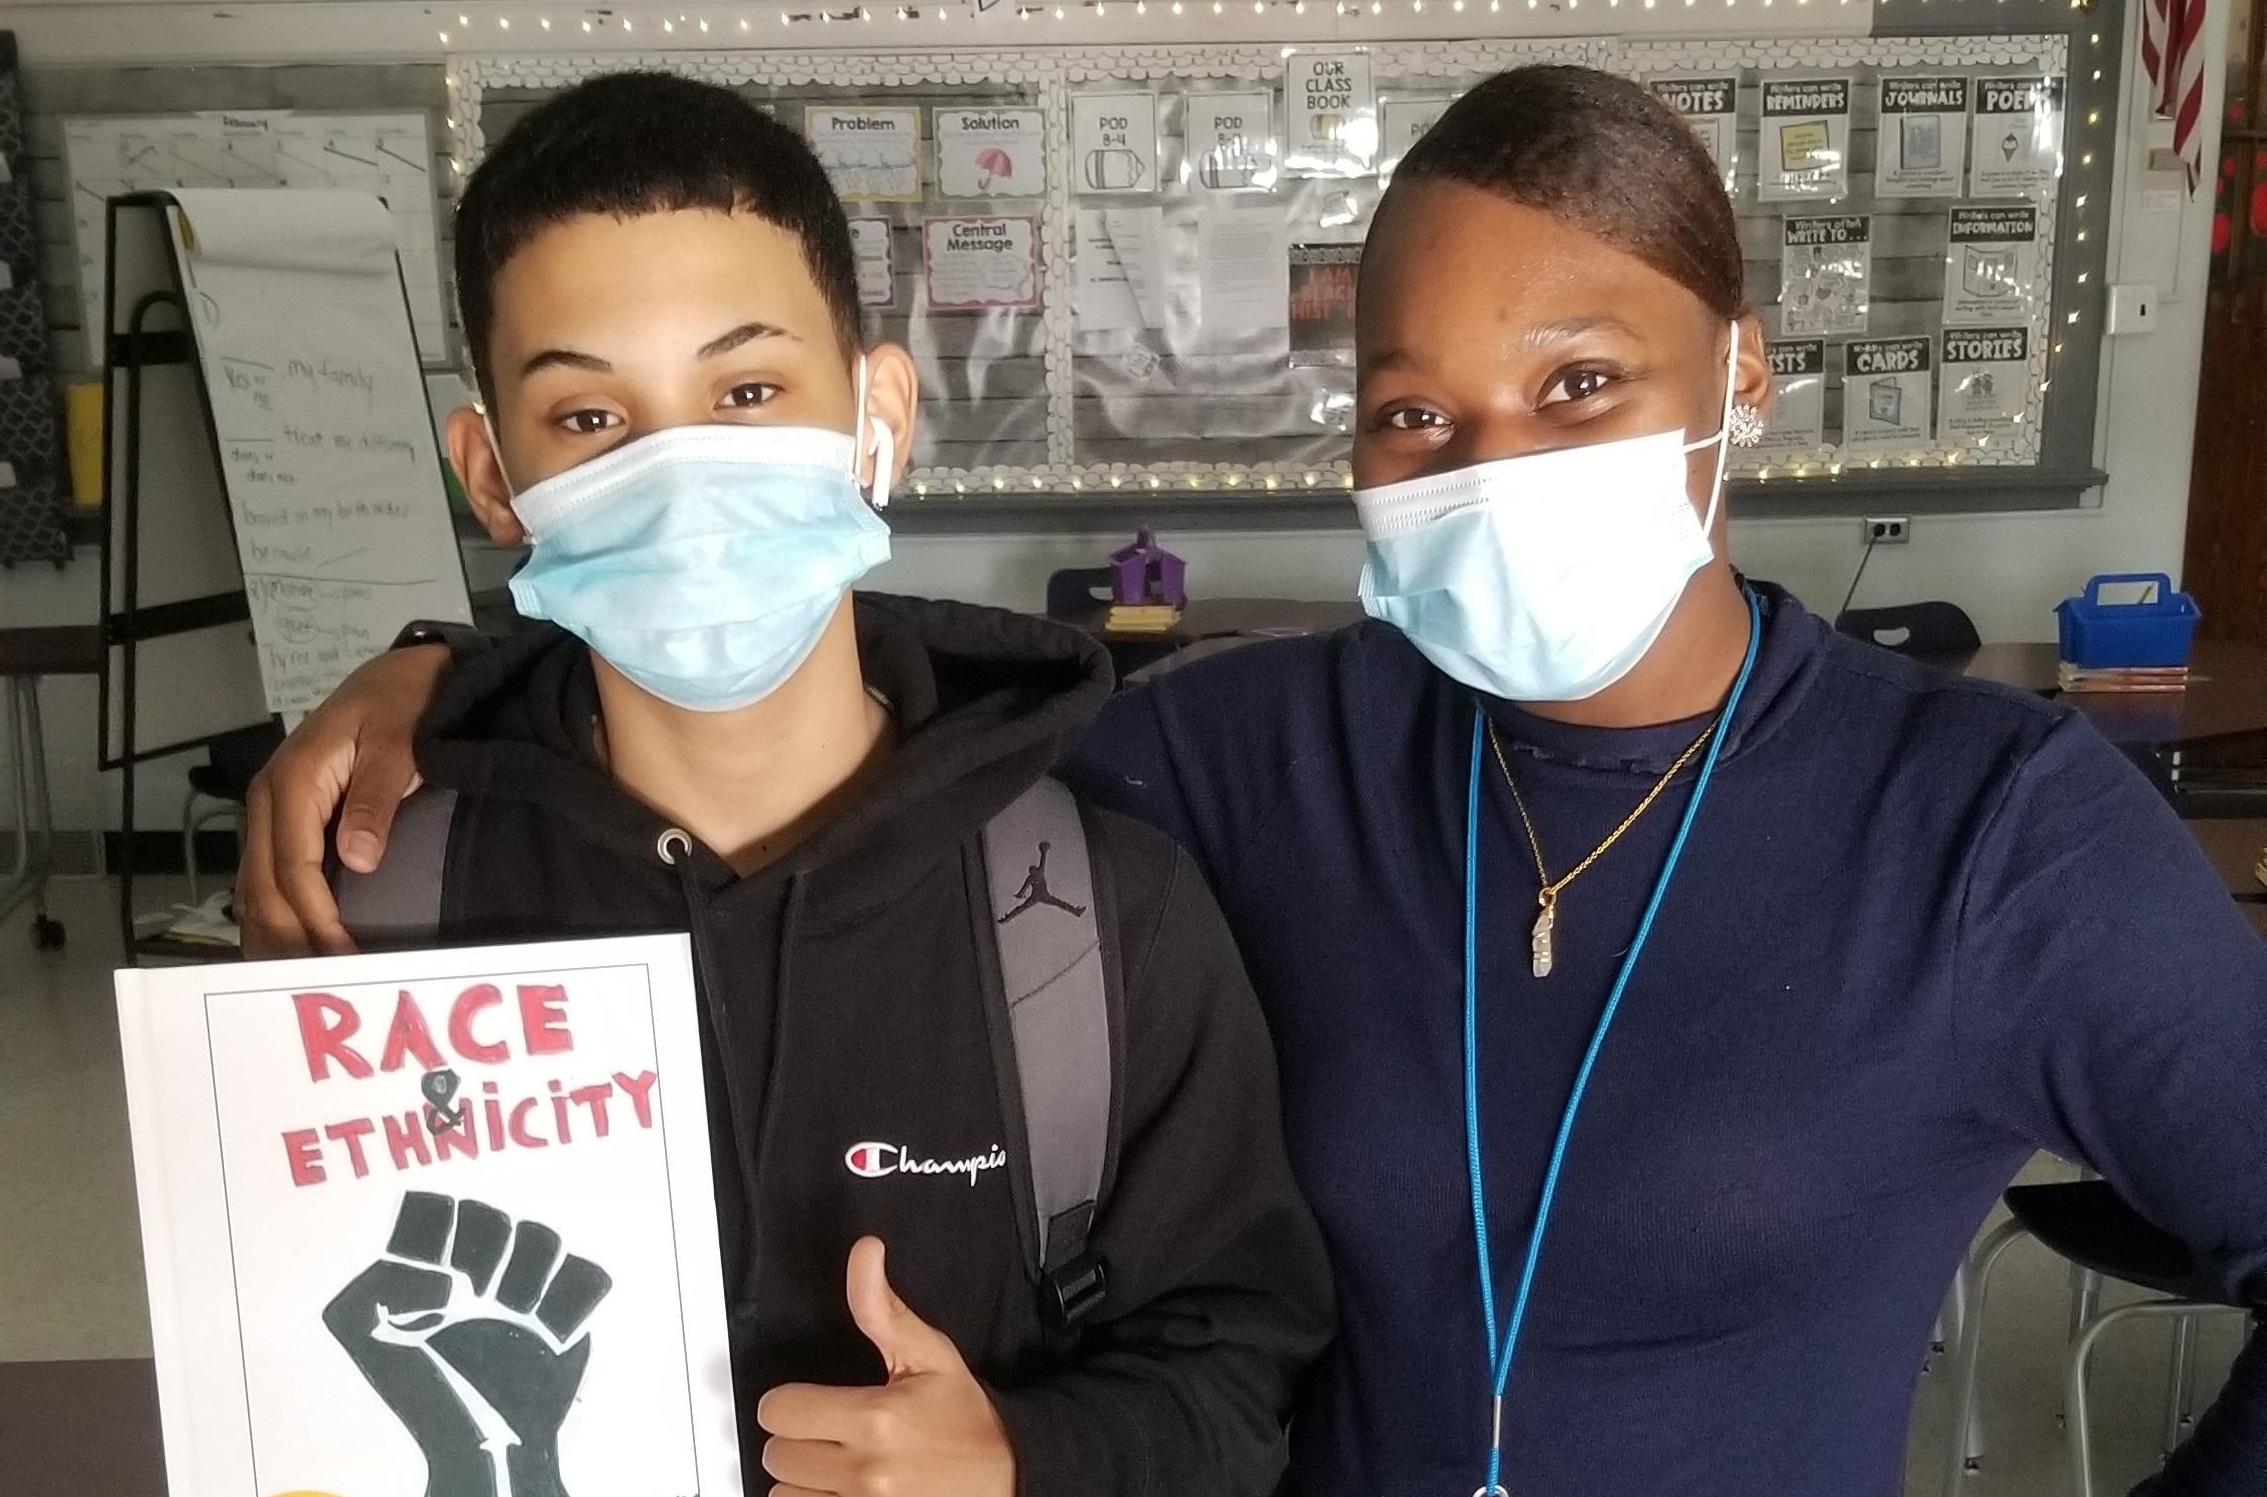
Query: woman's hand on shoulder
[(355, 749)]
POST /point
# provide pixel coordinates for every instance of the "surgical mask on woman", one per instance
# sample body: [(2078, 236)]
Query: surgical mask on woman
[(704, 562), (1545, 577)]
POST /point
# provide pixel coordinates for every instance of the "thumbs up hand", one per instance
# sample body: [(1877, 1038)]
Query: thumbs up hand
[(930, 1431)]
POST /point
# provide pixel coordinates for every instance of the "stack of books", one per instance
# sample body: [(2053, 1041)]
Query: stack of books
[(1141, 618), (2134, 678)]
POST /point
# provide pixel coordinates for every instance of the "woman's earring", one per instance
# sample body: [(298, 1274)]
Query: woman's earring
[(1746, 426)]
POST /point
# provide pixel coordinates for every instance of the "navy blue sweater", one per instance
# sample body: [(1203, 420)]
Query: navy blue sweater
[(1923, 927)]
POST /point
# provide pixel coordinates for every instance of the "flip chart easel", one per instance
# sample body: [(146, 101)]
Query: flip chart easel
[(276, 508)]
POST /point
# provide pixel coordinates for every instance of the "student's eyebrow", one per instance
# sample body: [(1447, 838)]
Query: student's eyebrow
[(746, 332), (565, 358), (1543, 334)]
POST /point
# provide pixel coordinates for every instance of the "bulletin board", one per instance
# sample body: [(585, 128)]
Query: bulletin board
[(1127, 271)]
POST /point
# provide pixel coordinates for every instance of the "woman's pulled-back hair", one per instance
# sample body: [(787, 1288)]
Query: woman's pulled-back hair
[(1602, 154)]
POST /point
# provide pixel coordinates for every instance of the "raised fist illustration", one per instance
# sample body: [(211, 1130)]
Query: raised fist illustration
[(467, 1327)]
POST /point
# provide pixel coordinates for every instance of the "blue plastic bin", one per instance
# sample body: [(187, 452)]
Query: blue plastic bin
[(2100, 635)]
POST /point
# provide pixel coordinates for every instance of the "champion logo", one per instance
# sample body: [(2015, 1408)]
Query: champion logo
[(871, 1161)]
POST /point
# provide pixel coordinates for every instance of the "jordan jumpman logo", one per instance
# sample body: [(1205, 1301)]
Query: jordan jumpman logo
[(1035, 892)]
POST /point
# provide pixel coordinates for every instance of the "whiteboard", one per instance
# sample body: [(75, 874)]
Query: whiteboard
[(342, 523), (387, 155)]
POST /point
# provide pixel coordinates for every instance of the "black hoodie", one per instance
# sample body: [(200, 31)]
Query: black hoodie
[(845, 982)]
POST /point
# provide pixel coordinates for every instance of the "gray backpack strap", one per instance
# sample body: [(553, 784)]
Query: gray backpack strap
[(398, 904), (1054, 976)]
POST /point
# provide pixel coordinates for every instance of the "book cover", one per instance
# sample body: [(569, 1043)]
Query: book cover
[(435, 1224)]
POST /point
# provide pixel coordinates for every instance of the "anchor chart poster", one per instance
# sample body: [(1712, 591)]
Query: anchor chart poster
[(432, 1224)]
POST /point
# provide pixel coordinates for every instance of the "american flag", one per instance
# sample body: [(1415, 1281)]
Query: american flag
[(2172, 50)]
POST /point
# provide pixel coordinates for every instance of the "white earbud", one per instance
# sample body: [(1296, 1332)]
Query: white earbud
[(881, 444)]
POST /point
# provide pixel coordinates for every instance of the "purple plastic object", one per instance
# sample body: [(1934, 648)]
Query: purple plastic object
[(1146, 572)]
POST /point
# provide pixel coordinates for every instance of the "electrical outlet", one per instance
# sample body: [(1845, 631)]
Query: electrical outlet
[(1886, 530)]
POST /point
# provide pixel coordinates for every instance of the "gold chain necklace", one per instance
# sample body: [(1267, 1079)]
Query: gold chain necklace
[(1547, 895)]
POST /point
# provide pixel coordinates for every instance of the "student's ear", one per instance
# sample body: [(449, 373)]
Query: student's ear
[(893, 400), (1751, 377), (474, 458)]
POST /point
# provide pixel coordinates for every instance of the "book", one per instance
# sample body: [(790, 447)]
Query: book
[(2142, 678), (437, 1222), (1141, 618)]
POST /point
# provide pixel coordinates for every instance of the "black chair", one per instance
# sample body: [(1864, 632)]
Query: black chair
[(2088, 1224), (218, 786), (1924, 631), (1082, 596), (1076, 594)]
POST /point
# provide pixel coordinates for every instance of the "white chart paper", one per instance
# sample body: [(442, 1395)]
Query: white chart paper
[(870, 244), (1804, 149), (1232, 144), (1114, 143), (1923, 144), (991, 153), (1984, 384), (1332, 113), (1798, 407), (1243, 272), (872, 155), (1119, 272), (1711, 106), (1885, 396), (2018, 137), (1991, 263), (1825, 274), (973, 263)]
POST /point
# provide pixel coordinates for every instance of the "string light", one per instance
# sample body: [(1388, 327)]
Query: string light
[(546, 23), (444, 38), (503, 23), (586, 25)]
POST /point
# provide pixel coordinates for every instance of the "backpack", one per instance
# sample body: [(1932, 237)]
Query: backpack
[(1053, 1005)]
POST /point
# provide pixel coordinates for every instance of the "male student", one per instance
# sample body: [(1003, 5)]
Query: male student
[(661, 304)]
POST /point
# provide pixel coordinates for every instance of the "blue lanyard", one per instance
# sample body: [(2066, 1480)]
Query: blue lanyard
[(1499, 1352)]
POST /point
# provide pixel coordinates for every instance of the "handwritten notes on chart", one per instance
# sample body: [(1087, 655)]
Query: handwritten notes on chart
[(334, 477), (387, 155)]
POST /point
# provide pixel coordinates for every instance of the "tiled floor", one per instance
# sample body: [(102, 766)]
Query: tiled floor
[(71, 1274)]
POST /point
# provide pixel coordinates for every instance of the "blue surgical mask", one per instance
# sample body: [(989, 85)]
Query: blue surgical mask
[(705, 562), (1545, 577)]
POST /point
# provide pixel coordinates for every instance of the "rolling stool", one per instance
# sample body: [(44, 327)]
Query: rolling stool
[(25, 656), (2090, 1225)]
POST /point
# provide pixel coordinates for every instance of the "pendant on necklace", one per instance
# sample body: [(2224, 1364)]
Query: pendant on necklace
[(1547, 916)]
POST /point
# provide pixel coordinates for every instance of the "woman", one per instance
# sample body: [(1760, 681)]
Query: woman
[(1664, 987)]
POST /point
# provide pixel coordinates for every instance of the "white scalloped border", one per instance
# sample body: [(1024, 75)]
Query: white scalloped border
[(1052, 73)]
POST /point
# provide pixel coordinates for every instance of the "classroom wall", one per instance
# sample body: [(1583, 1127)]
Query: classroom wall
[(2007, 570)]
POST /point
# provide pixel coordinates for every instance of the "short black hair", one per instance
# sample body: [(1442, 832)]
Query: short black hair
[(1602, 154), (629, 144)]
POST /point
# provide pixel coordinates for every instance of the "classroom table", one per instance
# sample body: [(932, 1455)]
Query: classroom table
[(1213, 619), (80, 1429), (2226, 695)]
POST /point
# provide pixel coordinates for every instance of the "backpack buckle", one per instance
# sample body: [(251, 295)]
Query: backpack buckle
[(1067, 1295)]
